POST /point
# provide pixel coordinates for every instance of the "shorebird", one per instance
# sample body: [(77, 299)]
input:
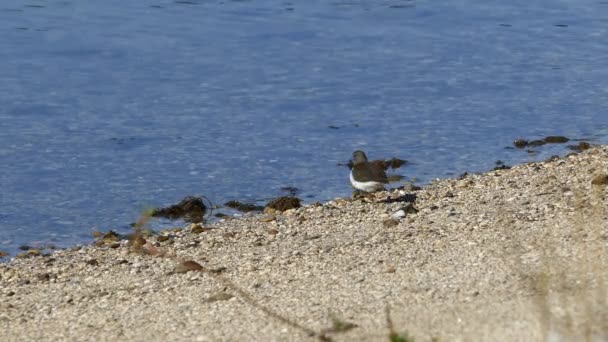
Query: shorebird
[(367, 176)]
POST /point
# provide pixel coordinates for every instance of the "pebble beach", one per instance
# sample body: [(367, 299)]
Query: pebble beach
[(518, 254)]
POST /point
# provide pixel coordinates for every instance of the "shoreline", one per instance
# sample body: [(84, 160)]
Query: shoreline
[(513, 254), (530, 150)]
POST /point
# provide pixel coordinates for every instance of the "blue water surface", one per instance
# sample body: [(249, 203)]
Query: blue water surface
[(108, 107)]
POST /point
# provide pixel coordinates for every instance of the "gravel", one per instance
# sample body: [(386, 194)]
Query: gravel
[(511, 255)]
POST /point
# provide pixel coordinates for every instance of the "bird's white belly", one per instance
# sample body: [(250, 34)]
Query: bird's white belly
[(366, 186)]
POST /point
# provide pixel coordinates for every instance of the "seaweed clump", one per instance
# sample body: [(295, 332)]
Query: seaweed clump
[(191, 209), (284, 203)]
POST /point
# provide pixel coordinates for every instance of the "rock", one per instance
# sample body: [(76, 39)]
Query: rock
[(312, 237), (399, 214), (536, 143), (290, 190), (462, 176), (107, 239), (191, 209), (327, 248), (93, 262), (290, 212), (409, 187), (362, 195), (136, 242), (21, 255), (270, 211), (218, 270), (601, 179), (34, 252), (520, 143), (162, 238), (391, 222), (410, 209), (187, 266), (284, 203), (198, 228), (501, 167), (229, 235), (267, 218), (219, 297), (556, 139), (244, 207), (581, 146), (410, 198), (338, 202), (465, 183), (44, 277)]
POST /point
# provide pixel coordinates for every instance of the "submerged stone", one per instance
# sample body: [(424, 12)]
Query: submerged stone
[(501, 167), (535, 143), (290, 190), (520, 143), (556, 139), (244, 207), (581, 146)]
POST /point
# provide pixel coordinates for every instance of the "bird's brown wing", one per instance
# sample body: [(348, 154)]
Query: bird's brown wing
[(370, 172)]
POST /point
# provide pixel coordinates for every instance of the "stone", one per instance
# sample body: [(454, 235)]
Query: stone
[(284, 203), (267, 218), (391, 222), (601, 179), (520, 143), (556, 139)]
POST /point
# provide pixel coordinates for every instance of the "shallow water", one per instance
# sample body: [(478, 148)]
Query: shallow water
[(111, 107)]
